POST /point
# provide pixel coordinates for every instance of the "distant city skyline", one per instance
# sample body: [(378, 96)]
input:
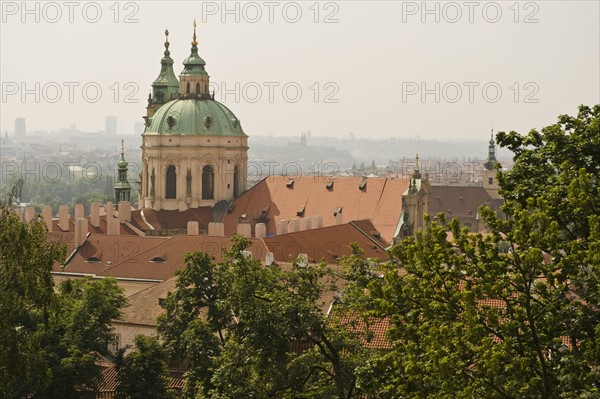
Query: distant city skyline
[(435, 70)]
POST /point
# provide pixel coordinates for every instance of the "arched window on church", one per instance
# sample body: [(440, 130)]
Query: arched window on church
[(236, 182), (171, 183), (187, 88), (208, 182), (197, 88)]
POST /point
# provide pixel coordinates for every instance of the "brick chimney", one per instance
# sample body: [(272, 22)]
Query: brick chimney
[(114, 228), (95, 214), (216, 229), (47, 216), (260, 230), (192, 228), (63, 217)]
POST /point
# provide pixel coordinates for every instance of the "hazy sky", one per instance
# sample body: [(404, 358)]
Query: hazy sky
[(376, 68)]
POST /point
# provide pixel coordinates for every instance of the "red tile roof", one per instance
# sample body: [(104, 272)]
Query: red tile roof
[(371, 331), (102, 229), (171, 220), (160, 261), (327, 243), (379, 201), (144, 306), (100, 251)]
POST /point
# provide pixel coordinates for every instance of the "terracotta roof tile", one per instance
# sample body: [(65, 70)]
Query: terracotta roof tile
[(144, 306), (100, 251), (379, 201), (372, 332), (328, 243), (171, 220), (145, 265)]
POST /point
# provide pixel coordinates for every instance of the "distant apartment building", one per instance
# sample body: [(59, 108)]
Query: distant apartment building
[(111, 125), (20, 130)]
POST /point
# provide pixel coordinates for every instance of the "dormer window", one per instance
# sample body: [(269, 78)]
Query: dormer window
[(93, 259), (157, 259)]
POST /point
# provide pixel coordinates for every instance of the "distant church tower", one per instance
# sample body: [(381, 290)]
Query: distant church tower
[(194, 150), (122, 186), (490, 183), (415, 201)]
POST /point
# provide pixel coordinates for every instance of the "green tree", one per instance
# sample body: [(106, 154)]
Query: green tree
[(48, 338), (472, 319), (26, 301), (253, 331), (142, 374), (78, 329)]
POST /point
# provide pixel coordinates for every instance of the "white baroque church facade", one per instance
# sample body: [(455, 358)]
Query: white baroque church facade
[(194, 150)]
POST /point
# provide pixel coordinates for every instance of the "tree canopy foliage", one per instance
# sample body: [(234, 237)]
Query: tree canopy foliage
[(48, 337), (254, 331), (514, 312)]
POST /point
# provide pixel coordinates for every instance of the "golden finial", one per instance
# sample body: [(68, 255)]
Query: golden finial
[(167, 39), (194, 42), (122, 149)]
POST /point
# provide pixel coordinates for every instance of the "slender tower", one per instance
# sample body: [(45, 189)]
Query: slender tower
[(122, 186)]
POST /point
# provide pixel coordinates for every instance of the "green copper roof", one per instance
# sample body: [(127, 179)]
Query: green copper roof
[(166, 85), (194, 65), (195, 117), (491, 160)]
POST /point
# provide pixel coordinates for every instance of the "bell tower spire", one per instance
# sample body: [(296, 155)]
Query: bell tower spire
[(166, 85), (122, 186), (490, 183), (194, 79)]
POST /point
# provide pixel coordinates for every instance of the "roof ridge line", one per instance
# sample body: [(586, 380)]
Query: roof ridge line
[(365, 234), (139, 253)]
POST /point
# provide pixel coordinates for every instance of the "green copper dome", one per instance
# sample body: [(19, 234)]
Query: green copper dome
[(200, 117)]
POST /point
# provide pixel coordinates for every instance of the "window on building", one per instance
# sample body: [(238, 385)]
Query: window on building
[(490, 180), (114, 344), (208, 182), (187, 88), (236, 182), (197, 88), (171, 183)]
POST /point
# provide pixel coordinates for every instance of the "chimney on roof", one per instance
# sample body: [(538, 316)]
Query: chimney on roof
[(63, 217), (124, 211), (216, 229), (109, 210), (29, 214), (81, 230), (19, 213), (269, 258), (260, 230), (47, 216), (317, 222), (95, 214), (113, 228), (294, 225), (192, 228), (78, 211), (281, 227), (245, 229), (306, 223)]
